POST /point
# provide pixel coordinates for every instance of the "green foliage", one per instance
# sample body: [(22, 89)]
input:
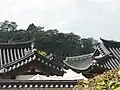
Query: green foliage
[(61, 45), (8, 26), (107, 81)]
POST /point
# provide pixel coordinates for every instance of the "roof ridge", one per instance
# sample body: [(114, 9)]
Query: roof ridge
[(17, 43), (90, 54), (109, 41)]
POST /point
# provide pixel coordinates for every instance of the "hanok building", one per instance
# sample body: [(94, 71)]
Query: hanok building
[(24, 59), (20, 61), (105, 57)]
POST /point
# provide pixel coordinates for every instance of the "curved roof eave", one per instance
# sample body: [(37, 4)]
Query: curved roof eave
[(80, 69), (86, 60)]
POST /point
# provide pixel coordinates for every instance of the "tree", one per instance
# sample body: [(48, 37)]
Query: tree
[(8, 26), (65, 44), (34, 31), (7, 30), (61, 45)]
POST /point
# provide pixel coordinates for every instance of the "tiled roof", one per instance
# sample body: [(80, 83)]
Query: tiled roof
[(15, 84), (114, 57), (12, 52), (82, 62), (107, 56), (15, 55)]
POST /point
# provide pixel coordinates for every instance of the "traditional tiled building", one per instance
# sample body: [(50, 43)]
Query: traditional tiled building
[(20, 60), (105, 57), (24, 58)]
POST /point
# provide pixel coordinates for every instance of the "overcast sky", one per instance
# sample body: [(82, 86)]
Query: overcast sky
[(88, 18)]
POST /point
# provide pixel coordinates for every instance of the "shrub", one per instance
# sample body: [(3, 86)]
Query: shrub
[(107, 81)]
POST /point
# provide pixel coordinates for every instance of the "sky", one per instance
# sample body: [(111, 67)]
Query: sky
[(87, 18)]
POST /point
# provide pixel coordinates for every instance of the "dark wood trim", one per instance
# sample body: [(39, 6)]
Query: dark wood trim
[(37, 83)]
